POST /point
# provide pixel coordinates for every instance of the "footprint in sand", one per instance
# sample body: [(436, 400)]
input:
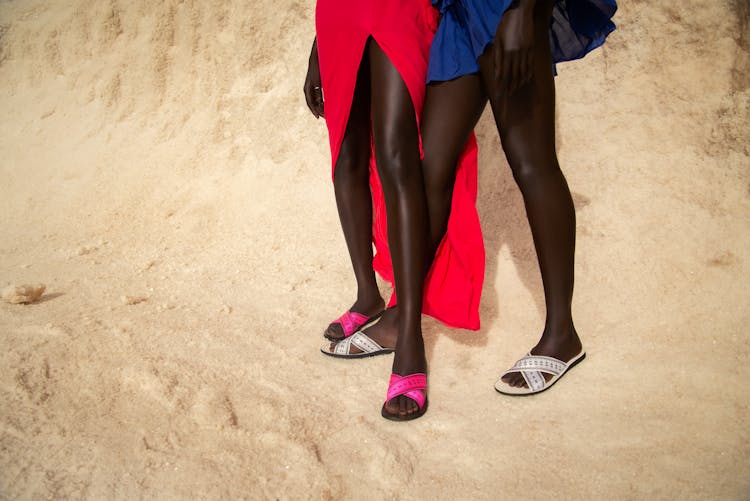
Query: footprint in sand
[(23, 294), (131, 300)]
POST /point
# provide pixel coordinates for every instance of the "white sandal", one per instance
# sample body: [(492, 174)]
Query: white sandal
[(361, 341), (533, 368)]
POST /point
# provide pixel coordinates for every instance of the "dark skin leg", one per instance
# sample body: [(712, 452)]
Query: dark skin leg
[(354, 202), (525, 122), (443, 140), (446, 139), (397, 153), (396, 139)]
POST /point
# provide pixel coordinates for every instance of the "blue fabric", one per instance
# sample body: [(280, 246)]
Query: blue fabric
[(467, 28)]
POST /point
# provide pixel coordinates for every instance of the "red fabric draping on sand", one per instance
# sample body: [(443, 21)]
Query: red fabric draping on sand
[(404, 30)]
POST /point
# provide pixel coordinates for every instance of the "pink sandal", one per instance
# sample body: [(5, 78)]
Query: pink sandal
[(351, 322), (413, 386)]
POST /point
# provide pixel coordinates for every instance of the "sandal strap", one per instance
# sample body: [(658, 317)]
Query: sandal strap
[(534, 379), (539, 363), (413, 386), (533, 368), (360, 340), (364, 342), (350, 321)]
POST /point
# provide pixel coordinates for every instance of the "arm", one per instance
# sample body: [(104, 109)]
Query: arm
[(312, 88), (514, 46)]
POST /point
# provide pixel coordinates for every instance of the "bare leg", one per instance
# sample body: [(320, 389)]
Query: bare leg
[(354, 201), (451, 111), (443, 141), (526, 122), (397, 153)]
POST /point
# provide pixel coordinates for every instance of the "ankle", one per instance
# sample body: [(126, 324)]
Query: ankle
[(563, 338), (410, 342), (404, 365), (559, 328), (369, 299)]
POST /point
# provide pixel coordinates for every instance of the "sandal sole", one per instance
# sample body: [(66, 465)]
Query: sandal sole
[(358, 355)]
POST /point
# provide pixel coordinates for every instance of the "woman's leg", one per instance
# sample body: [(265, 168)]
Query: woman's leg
[(526, 123), (451, 111), (397, 153), (351, 183)]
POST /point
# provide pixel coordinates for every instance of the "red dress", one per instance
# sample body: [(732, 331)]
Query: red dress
[(404, 30)]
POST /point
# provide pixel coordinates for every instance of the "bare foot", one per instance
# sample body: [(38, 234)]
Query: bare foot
[(409, 359), (368, 307), (562, 345), (384, 332)]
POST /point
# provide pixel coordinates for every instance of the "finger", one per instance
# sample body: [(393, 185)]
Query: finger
[(318, 93), (316, 97), (321, 101), (309, 101), (523, 70), (528, 71), (498, 60), (505, 77), (309, 98), (515, 72)]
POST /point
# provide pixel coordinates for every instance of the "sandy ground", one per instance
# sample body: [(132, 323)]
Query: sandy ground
[(160, 173)]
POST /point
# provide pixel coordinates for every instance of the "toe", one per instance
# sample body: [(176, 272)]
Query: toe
[(334, 331), (411, 406), (329, 347), (407, 407), (391, 407), (514, 379), (509, 378)]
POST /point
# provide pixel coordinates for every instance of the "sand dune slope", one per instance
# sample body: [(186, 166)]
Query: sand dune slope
[(160, 173)]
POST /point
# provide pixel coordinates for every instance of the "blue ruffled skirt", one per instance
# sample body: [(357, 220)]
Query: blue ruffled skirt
[(468, 27)]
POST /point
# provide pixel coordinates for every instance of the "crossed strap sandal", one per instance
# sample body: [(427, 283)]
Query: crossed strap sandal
[(533, 368), (351, 322), (367, 346), (413, 386)]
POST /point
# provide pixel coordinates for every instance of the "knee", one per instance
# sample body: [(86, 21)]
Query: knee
[(528, 174), (353, 161), (398, 163), (531, 169)]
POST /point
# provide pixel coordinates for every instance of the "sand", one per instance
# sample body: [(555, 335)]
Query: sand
[(160, 173)]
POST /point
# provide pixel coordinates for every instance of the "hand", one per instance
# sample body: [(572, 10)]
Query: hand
[(313, 89), (514, 47)]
